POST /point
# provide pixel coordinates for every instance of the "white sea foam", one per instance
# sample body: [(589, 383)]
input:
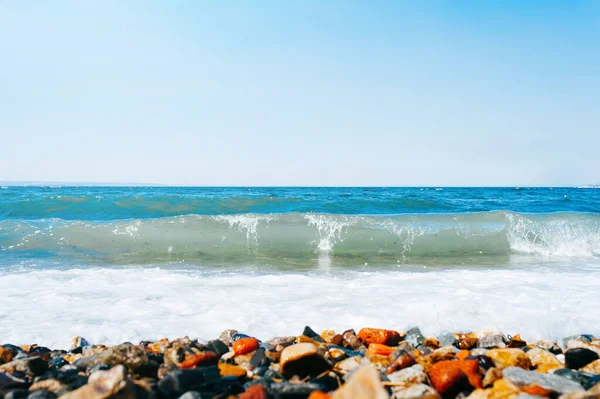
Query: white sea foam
[(108, 305)]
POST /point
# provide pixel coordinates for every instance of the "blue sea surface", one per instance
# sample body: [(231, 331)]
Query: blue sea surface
[(290, 227)]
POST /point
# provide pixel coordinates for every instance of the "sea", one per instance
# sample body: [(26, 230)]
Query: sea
[(117, 264)]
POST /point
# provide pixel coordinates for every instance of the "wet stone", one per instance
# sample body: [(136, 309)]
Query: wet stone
[(551, 382), (32, 366), (587, 380), (351, 340), (288, 390), (577, 358), (134, 358), (302, 360), (227, 336), (238, 336), (8, 382), (448, 339), (17, 394)]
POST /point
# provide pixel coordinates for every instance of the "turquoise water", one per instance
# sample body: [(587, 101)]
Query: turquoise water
[(125, 264), (297, 227)]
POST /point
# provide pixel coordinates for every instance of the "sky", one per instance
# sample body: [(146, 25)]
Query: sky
[(392, 93)]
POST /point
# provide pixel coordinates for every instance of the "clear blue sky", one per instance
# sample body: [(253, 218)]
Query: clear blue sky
[(301, 92)]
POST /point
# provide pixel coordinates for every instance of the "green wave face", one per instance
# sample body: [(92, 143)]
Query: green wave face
[(308, 239)]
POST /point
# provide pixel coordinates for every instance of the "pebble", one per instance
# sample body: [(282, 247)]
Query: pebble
[(507, 357), (302, 360), (373, 364), (577, 358), (364, 383), (554, 383)]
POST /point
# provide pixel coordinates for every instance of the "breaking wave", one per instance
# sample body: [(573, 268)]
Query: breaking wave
[(301, 238)]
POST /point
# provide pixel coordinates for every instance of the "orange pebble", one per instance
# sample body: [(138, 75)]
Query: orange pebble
[(461, 355), (318, 395), (245, 345), (199, 360), (447, 376), (379, 349), (536, 390), (379, 336), (471, 368)]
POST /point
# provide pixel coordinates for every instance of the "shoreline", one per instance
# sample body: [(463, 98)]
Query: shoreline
[(367, 363)]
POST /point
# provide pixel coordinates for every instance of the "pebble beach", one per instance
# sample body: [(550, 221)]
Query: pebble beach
[(371, 363)]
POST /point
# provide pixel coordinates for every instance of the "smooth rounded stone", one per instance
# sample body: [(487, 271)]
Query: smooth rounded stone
[(302, 360), (540, 356), (507, 357), (592, 368), (551, 382), (364, 383), (32, 366), (69, 378), (587, 380), (577, 358), (414, 337), (217, 346), (523, 395), (491, 342), (408, 376), (181, 381), (57, 362), (42, 394), (7, 354), (580, 337), (231, 370), (516, 342), (416, 391), (104, 384), (448, 378), (332, 338), (245, 345), (133, 357), (379, 336)]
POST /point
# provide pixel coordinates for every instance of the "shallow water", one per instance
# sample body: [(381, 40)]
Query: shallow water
[(116, 264)]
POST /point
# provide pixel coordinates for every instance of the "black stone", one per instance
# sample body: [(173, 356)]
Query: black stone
[(259, 359), (12, 347), (9, 382), (218, 347), (577, 358), (202, 379), (42, 394), (587, 380), (70, 378), (484, 361), (77, 350), (17, 394), (310, 333), (272, 374), (285, 390), (40, 350), (328, 382)]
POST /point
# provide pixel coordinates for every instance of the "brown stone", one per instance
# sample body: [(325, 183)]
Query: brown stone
[(432, 343), (332, 338), (403, 360), (491, 376), (593, 367), (379, 349), (516, 342), (379, 336), (351, 340), (468, 343), (50, 384), (6, 355), (540, 356)]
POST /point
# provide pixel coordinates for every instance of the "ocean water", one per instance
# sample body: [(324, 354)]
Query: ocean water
[(131, 263)]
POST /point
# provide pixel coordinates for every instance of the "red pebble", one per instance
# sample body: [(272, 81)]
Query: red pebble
[(379, 336), (245, 345)]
